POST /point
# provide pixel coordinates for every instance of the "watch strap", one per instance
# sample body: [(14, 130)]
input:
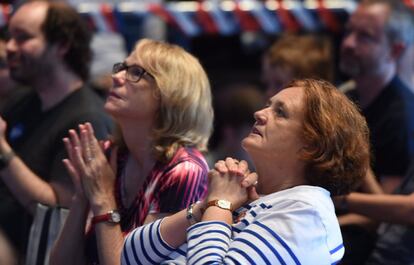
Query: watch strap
[(5, 159), (107, 217)]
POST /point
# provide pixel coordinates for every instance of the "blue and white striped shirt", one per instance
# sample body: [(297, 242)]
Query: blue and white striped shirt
[(293, 226)]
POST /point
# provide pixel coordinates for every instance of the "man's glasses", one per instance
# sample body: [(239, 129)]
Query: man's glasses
[(134, 73)]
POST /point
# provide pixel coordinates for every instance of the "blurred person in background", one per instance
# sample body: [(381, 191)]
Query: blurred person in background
[(234, 106), (7, 85), (48, 51), (296, 57), (376, 35), (406, 62)]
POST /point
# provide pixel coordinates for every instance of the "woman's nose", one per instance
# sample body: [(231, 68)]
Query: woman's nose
[(259, 117), (118, 78)]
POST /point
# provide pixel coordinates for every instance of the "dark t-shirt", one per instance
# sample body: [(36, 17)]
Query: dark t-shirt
[(36, 136), (390, 119)]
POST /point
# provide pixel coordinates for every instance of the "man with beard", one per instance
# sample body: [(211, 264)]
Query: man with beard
[(48, 50), (377, 33)]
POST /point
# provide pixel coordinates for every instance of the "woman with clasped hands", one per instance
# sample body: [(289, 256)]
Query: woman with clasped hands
[(308, 144), (161, 101)]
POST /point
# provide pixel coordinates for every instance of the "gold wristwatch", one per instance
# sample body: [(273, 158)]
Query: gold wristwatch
[(223, 204)]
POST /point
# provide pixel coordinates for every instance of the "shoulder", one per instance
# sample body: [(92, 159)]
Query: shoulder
[(187, 167), (188, 158), (21, 102), (86, 99), (301, 218), (301, 207)]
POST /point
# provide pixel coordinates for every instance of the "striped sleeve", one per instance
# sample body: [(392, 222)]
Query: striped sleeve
[(293, 237), (337, 253), (208, 242), (144, 245)]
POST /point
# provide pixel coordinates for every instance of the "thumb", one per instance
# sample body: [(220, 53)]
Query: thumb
[(252, 193)]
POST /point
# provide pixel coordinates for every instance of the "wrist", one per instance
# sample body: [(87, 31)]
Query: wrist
[(223, 204), (102, 207), (194, 212), (112, 217)]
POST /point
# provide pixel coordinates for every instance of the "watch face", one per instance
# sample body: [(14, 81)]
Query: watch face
[(115, 217), (223, 204)]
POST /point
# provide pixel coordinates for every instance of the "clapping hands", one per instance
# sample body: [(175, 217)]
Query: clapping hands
[(90, 170)]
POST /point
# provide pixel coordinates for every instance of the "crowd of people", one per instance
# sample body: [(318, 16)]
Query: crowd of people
[(301, 172)]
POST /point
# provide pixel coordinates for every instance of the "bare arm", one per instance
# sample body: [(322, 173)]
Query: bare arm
[(65, 251), (390, 182), (29, 187), (359, 220), (370, 183), (383, 207)]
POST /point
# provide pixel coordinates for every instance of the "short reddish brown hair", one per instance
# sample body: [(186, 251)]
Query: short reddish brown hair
[(336, 138)]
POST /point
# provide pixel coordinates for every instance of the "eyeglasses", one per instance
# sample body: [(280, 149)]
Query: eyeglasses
[(134, 73)]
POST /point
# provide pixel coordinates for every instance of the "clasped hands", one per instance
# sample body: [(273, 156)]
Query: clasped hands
[(232, 180), (91, 173)]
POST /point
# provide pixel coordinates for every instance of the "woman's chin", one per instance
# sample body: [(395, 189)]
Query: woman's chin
[(110, 108), (249, 145)]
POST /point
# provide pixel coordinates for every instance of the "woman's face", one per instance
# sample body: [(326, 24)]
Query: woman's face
[(129, 99), (277, 134)]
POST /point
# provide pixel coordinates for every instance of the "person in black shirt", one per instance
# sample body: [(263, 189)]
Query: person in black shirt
[(48, 50), (376, 36)]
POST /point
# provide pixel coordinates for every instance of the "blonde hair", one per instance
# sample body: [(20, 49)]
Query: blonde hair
[(185, 116)]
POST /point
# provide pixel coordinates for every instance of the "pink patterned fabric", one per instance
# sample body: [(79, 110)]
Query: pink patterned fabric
[(168, 188)]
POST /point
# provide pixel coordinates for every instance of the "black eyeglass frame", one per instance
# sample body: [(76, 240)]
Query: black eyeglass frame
[(118, 67)]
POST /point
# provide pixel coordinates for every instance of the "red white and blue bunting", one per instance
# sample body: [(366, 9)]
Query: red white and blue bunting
[(225, 17)]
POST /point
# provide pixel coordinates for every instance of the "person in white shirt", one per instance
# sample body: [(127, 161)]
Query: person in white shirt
[(308, 143)]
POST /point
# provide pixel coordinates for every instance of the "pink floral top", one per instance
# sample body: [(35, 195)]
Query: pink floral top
[(170, 187)]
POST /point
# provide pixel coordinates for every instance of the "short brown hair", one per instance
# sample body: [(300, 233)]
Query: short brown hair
[(336, 138), (306, 56), (63, 25)]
